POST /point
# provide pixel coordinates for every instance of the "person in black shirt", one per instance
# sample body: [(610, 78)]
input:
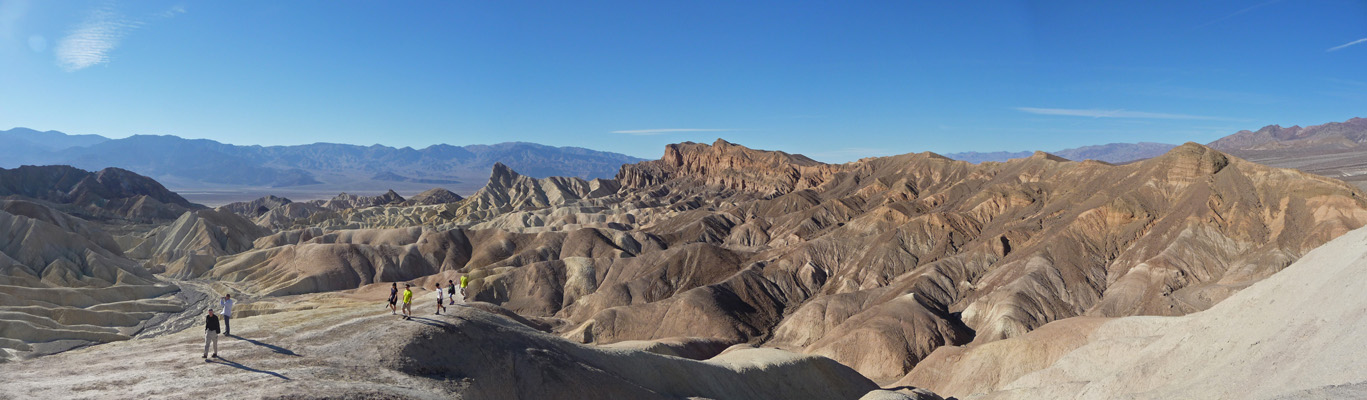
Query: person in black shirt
[(393, 298), (451, 291), (210, 333)]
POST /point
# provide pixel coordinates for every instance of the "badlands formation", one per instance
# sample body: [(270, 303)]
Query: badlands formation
[(716, 271)]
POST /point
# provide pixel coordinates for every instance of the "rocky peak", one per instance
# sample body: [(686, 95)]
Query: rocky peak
[(502, 176), (730, 166), (1040, 155), (255, 208), (1191, 160), (109, 192), (435, 196), (117, 183), (390, 197), (345, 200)]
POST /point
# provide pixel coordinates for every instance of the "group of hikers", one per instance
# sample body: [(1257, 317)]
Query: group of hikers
[(226, 303), (448, 296)]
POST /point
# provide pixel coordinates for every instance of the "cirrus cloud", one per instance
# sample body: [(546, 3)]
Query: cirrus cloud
[(1095, 113), (91, 41), (1345, 45), (650, 132)]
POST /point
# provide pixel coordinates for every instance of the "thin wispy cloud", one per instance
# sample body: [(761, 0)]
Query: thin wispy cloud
[(1345, 45), (1095, 113), (650, 132), (173, 11), (91, 41), (1237, 13)]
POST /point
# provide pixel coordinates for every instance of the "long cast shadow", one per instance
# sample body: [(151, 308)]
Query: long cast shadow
[(277, 349), (230, 363), (431, 322)]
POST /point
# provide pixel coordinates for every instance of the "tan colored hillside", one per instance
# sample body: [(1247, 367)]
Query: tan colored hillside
[(886, 266), (874, 263), (1297, 334)]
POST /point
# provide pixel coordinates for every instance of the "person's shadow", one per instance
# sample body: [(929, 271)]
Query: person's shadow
[(277, 349), (430, 322), (230, 363)]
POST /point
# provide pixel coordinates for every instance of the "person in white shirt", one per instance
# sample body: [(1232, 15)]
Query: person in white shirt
[(440, 299), (227, 314)]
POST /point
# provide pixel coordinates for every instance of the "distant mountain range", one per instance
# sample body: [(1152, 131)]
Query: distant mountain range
[(1336, 149), (1115, 153), (1330, 149), (190, 162), (1333, 137)]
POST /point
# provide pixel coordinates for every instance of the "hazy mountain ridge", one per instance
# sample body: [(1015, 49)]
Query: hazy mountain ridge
[(1328, 137), (212, 162), (1111, 153), (1332, 149), (50, 140)]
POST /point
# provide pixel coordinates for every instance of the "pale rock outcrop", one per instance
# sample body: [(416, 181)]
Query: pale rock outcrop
[(1296, 333), (255, 208), (347, 201), (509, 191), (433, 196), (64, 284), (332, 262), (189, 246), (284, 216)]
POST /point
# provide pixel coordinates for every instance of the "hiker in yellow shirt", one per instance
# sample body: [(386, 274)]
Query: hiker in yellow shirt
[(407, 301)]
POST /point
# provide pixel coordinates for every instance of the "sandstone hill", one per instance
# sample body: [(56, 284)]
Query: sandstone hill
[(433, 196), (64, 283), (1297, 334), (507, 192), (191, 245), (880, 265), (281, 213), (875, 263), (346, 201), (109, 194), (255, 208)]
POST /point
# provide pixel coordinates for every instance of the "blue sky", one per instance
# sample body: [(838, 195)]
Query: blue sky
[(833, 80)]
